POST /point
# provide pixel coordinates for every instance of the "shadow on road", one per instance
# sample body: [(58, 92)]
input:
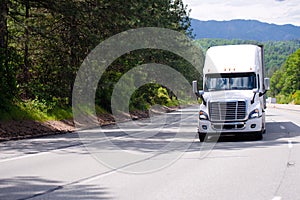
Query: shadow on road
[(277, 134), (31, 187), (38, 145), (276, 131)]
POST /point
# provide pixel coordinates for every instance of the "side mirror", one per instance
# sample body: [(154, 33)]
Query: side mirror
[(197, 92), (267, 83), (195, 88), (266, 87), (255, 90)]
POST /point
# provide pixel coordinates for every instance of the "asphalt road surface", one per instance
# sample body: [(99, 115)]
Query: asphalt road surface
[(159, 158)]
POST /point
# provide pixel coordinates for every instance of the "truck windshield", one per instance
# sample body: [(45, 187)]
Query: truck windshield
[(232, 81)]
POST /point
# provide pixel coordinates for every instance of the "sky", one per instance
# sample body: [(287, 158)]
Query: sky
[(270, 11)]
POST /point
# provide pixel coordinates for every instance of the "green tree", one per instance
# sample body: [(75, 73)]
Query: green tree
[(291, 74), (8, 59), (285, 83), (43, 43)]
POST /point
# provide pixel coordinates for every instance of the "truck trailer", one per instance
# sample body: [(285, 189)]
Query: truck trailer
[(234, 88)]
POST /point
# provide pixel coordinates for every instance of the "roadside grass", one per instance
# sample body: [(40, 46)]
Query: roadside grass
[(39, 111), (29, 110), (42, 111)]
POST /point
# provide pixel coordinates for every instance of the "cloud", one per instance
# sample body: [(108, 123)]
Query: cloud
[(271, 11)]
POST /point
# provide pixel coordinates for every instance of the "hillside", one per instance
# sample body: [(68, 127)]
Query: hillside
[(244, 30)]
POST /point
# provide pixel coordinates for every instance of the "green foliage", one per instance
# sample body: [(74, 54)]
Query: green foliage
[(152, 94), (283, 99), (162, 97), (296, 97), (8, 69), (35, 110), (276, 54), (146, 95), (285, 83), (43, 44)]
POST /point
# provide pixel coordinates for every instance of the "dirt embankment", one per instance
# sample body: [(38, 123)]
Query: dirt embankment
[(13, 130)]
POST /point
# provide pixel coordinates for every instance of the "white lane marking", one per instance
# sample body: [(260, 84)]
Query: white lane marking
[(38, 153), (277, 198), (282, 127), (290, 144), (23, 156)]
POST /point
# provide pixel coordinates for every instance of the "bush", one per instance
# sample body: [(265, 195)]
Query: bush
[(38, 110), (296, 97), (283, 99), (292, 98)]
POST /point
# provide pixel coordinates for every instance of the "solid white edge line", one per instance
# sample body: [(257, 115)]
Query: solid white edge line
[(22, 156)]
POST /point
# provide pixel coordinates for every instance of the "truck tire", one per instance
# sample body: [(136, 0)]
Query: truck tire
[(202, 136)]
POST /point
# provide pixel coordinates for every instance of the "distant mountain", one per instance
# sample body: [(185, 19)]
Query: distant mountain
[(244, 30)]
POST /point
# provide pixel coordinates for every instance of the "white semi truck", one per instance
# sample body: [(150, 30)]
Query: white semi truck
[(234, 88)]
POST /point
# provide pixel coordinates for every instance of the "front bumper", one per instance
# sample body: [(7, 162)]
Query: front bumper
[(251, 125)]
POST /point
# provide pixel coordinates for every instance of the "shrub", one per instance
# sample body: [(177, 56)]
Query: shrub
[(283, 99), (296, 97)]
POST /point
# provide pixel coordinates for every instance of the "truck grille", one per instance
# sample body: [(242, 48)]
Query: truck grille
[(227, 111)]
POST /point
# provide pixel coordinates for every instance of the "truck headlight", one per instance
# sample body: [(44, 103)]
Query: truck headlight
[(254, 114), (203, 115)]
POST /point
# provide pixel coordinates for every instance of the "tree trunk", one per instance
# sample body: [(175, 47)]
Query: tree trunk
[(26, 54)]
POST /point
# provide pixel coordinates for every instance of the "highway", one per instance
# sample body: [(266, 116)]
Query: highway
[(157, 158)]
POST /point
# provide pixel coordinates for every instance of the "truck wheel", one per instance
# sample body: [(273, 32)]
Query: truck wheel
[(202, 137)]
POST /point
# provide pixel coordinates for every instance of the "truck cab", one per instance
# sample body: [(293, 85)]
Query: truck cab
[(234, 88)]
